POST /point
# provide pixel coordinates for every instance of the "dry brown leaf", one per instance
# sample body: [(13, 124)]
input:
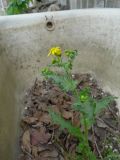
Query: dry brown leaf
[(38, 114), (72, 148), (35, 151), (26, 141), (39, 137), (45, 118), (49, 153), (42, 106), (67, 114), (37, 125), (100, 132), (56, 109), (30, 120), (48, 158), (76, 119), (42, 148), (101, 124)]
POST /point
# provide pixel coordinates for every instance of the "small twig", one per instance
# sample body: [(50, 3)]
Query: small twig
[(112, 112), (104, 143), (98, 150), (117, 134), (97, 145), (109, 124), (28, 154)]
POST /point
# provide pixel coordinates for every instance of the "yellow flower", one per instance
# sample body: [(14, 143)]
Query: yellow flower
[(55, 51)]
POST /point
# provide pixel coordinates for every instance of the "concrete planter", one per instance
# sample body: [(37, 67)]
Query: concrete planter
[(24, 44)]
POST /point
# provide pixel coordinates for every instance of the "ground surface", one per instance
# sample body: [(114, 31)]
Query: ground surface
[(40, 140)]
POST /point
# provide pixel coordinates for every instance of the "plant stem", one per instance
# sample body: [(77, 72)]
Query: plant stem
[(85, 129)]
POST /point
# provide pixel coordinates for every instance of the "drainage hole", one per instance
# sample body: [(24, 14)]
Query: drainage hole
[(49, 24)]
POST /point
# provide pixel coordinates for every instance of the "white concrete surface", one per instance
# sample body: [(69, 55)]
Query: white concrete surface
[(25, 41)]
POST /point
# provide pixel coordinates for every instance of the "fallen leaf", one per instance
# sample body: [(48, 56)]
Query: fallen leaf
[(100, 132), (101, 124), (26, 141), (72, 148), (61, 158), (47, 158), (42, 106), (35, 151), (42, 148), (49, 153), (67, 114), (76, 119), (38, 114), (37, 125), (30, 120), (56, 109), (45, 118), (39, 137)]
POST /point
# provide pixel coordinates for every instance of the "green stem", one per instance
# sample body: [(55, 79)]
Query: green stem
[(86, 129), (88, 150)]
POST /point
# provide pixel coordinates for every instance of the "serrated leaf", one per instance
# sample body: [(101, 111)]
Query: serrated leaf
[(17, 6), (103, 103), (87, 109), (91, 107), (57, 119), (83, 149), (80, 147), (63, 82)]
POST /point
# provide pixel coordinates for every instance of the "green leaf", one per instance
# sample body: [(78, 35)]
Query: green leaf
[(87, 109), (57, 119), (91, 156), (23, 7), (65, 83), (103, 103), (47, 73), (80, 147), (67, 65), (17, 6), (90, 107), (85, 150), (71, 54)]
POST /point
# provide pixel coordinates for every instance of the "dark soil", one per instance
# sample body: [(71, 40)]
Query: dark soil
[(41, 140)]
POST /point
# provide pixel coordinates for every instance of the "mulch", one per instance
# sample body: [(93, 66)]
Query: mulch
[(41, 140)]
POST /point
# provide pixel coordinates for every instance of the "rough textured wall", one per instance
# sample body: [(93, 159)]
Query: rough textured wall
[(25, 40)]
